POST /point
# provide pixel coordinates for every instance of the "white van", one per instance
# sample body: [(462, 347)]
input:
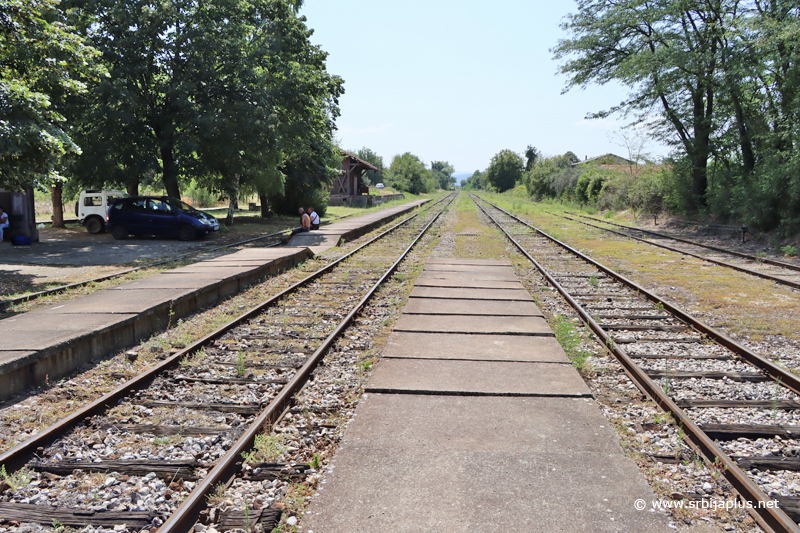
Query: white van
[(92, 207)]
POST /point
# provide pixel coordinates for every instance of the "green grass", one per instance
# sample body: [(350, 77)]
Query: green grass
[(569, 338)]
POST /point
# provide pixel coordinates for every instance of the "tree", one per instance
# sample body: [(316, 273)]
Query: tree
[(531, 156), (668, 54), (42, 63), (476, 182), (408, 173), (371, 176), (442, 173), (231, 94), (505, 170)]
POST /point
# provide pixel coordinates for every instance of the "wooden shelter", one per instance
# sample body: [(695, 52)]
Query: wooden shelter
[(349, 184)]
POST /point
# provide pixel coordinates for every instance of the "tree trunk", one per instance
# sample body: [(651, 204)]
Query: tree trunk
[(169, 167), (132, 188), (58, 206), (231, 209), (264, 205)]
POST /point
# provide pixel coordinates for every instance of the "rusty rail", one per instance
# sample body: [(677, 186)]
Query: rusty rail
[(186, 515), (774, 262), (769, 518), (782, 281)]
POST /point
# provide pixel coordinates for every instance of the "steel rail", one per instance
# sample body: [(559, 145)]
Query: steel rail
[(756, 273), (187, 514), (770, 518), (774, 262), (17, 456), (789, 380), (55, 290)]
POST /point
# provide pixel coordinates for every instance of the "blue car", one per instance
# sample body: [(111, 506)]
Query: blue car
[(152, 215)]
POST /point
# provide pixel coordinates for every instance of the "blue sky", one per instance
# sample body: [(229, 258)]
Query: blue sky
[(458, 80)]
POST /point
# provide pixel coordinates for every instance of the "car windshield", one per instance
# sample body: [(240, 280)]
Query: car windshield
[(183, 206)]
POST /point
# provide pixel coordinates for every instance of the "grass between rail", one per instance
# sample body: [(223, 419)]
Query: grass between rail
[(743, 305)]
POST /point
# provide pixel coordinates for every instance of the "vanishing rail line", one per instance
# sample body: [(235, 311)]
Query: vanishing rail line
[(667, 352), (242, 377), (55, 290), (789, 273)]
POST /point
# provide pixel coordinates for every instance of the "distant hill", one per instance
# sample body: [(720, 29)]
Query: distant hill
[(461, 176)]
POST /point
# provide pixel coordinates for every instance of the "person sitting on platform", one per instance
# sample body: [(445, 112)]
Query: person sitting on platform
[(3, 222), (314, 217), (305, 225)]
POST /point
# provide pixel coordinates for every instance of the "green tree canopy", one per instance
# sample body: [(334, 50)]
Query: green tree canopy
[(408, 173), (43, 62), (232, 94), (505, 170), (442, 173), (371, 177)]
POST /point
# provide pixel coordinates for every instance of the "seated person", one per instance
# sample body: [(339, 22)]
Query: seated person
[(314, 218), (3, 222), (305, 225)]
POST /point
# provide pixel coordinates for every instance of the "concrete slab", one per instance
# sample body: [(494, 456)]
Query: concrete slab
[(448, 464), (467, 283), (316, 243), (471, 294), (482, 423), (7, 356), (174, 281), (443, 306), (476, 378), (253, 254), (437, 267), (476, 347), (37, 330), (456, 261), (129, 301), (499, 325), (211, 271), (499, 275)]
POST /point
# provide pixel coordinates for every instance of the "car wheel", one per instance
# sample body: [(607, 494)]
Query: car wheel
[(95, 225), (119, 231), (186, 233)]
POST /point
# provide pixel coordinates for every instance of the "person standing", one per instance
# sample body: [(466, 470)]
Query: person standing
[(314, 217), (3, 222)]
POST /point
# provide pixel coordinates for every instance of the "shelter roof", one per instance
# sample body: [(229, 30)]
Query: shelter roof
[(360, 162)]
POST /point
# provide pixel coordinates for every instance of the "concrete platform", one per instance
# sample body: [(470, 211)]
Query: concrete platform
[(52, 342), (129, 301), (500, 274), (478, 432), (444, 306), (476, 378), (319, 241), (512, 464), (468, 283), (520, 295), (474, 347), (487, 324)]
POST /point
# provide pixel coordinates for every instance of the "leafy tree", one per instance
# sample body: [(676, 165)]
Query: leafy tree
[(442, 173), (505, 170), (43, 62), (667, 53), (476, 182), (531, 155), (408, 173), (371, 176), (231, 94)]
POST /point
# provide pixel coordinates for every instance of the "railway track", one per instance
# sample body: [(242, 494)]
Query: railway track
[(689, 369), (162, 444), (4, 304), (780, 272)]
